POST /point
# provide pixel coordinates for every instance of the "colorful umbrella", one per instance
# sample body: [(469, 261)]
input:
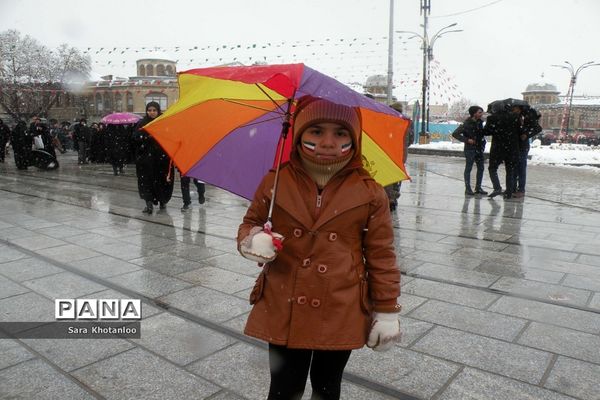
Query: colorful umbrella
[(226, 127), (121, 118)]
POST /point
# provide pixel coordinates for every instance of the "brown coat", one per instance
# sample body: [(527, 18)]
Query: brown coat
[(337, 264)]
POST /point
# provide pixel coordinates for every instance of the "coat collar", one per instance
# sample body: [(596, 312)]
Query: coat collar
[(343, 192)]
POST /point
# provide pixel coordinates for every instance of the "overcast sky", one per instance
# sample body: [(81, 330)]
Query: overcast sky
[(504, 46)]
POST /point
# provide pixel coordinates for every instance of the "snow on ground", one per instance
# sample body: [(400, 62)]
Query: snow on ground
[(556, 154)]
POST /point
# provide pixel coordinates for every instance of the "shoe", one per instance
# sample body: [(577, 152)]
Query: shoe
[(201, 199), (507, 195), (185, 207), (149, 208), (469, 191), (162, 205), (480, 191), (496, 192)]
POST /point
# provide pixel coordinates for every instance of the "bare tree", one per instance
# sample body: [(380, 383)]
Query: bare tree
[(459, 110), (32, 76)]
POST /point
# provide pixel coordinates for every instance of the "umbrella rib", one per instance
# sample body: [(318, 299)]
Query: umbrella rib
[(249, 105), (267, 94), (260, 122)]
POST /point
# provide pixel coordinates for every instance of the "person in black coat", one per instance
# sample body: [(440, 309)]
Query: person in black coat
[(21, 143), (530, 129), (117, 146), (42, 131), (4, 138), (505, 128), (470, 133), (82, 138), (152, 165)]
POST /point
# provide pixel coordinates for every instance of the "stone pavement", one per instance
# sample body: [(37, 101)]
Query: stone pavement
[(501, 298)]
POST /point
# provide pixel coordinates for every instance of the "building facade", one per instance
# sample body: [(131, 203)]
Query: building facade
[(582, 115), (155, 80)]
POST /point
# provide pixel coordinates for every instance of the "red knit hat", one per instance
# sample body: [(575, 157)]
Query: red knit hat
[(312, 110)]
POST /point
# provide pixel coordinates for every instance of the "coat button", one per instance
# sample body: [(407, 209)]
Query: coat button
[(297, 232), (301, 300), (332, 237), (315, 303), (322, 268), (306, 262)]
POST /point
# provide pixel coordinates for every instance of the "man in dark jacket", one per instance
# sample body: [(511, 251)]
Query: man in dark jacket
[(21, 144), (470, 133), (81, 136), (530, 129), (505, 128), (4, 138)]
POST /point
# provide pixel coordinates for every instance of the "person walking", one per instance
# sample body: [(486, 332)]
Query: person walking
[(471, 134), (152, 165), (185, 191), (332, 285)]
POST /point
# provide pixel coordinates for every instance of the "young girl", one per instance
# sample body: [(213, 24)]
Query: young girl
[(333, 285)]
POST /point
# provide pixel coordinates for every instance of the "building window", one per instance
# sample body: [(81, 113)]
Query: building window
[(160, 98), (129, 100), (169, 71), (160, 70), (142, 71), (118, 102), (108, 102), (58, 100), (149, 70), (99, 104)]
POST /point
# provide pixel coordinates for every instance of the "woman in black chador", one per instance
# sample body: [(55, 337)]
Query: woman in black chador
[(153, 166)]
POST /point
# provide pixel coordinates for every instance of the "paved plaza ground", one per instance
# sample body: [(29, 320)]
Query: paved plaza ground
[(501, 298)]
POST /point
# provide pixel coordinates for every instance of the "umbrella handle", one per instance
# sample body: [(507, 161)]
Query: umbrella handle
[(285, 126)]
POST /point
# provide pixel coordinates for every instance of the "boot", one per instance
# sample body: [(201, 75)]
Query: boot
[(479, 190), (469, 191), (163, 205), (496, 192), (149, 208)]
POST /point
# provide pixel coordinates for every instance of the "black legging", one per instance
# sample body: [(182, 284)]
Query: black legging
[(289, 370)]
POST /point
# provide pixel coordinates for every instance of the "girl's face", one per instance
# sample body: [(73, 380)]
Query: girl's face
[(152, 112), (326, 140)]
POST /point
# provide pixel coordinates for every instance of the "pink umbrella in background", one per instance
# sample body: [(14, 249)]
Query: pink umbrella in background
[(121, 118)]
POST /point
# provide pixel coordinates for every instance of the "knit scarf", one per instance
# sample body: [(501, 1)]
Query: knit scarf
[(322, 170)]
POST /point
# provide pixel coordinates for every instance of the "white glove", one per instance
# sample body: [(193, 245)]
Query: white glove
[(260, 246), (385, 330)]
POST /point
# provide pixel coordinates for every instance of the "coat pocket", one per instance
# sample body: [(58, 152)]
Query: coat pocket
[(364, 297), (257, 290)]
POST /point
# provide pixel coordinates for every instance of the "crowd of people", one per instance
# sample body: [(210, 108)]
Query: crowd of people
[(114, 144), (511, 127)]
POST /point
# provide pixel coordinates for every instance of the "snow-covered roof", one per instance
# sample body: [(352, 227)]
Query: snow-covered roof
[(541, 87), (376, 81), (582, 100)]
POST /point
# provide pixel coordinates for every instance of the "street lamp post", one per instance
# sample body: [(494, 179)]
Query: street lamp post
[(566, 117), (427, 47)]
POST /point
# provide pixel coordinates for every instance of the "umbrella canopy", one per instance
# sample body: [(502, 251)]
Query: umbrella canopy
[(226, 127), (121, 118), (506, 105)]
